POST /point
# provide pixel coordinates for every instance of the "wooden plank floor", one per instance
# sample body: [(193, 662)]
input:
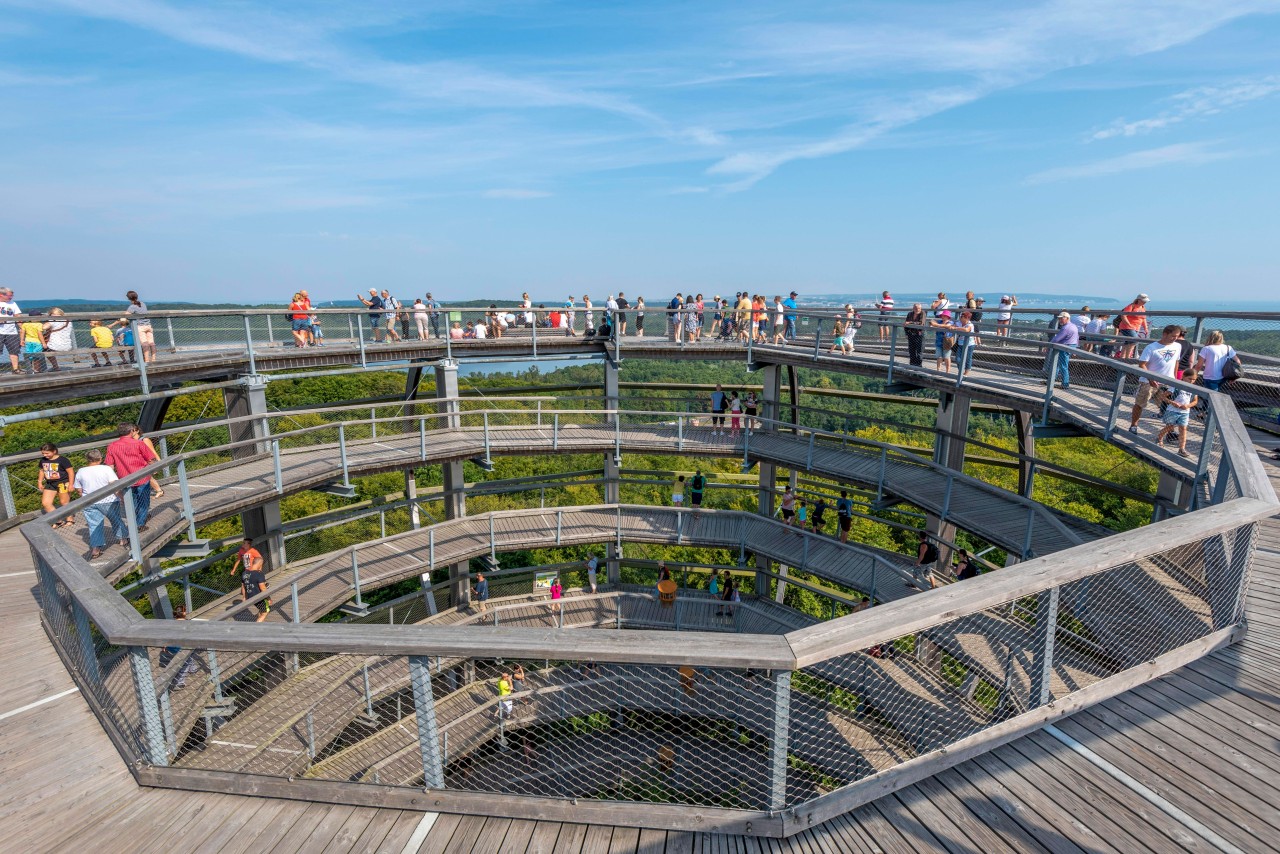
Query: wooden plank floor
[(1190, 762)]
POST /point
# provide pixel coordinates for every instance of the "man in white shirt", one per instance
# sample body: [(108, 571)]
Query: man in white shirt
[(10, 340), (91, 478), (1159, 357)]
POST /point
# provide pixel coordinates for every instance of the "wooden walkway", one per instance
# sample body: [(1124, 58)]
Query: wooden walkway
[(1190, 762)]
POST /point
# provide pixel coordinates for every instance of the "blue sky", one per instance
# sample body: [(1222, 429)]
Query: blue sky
[(240, 150)]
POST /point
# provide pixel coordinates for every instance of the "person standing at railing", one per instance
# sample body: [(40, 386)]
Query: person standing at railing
[(944, 340), (59, 337), (126, 455), (568, 317), (1132, 323), (146, 334), (481, 592), (527, 305), (504, 697), (589, 317), (914, 327), (91, 478), (311, 321), (735, 414), (420, 318), (374, 304), (696, 488), (1092, 334), (639, 317), (557, 591), (300, 320), (941, 304), (33, 342), (1213, 359), (966, 341), (433, 314), (790, 316), (621, 314), (1159, 357), (885, 305), (592, 564), (1068, 335), (787, 506), (10, 340), (844, 515), (719, 405)]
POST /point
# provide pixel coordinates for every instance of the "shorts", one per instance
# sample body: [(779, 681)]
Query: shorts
[(61, 487), (846, 522), (788, 514), (1176, 417), (677, 499), (301, 325), (264, 607), (10, 343), (696, 499), (817, 522), (146, 335), (1145, 392), (32, 347)]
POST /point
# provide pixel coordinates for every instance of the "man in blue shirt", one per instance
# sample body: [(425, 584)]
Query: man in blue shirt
[(482, 592), (433, 314), (1068, 335), (719, 402), (789, 318), (673, 316), (376, 312)]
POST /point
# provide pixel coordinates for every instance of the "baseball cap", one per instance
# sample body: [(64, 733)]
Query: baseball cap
[(1064, 313), (794, 294), (1004, 297)]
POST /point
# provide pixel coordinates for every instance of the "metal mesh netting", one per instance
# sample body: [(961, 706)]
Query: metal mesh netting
[(718, 737)]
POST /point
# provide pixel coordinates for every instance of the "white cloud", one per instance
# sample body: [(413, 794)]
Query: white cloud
[(1194, 103), (1188, 153), (515, 193)]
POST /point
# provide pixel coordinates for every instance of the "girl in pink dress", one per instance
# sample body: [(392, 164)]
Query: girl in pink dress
[(556, 592)]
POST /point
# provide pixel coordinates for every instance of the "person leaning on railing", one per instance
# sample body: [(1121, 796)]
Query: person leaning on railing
[(1133, 323), (915, 320)]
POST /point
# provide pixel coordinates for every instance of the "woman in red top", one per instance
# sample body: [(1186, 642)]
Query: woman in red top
[(300, 311)]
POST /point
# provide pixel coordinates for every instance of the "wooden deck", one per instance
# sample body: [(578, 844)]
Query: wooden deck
[(1190, 762)]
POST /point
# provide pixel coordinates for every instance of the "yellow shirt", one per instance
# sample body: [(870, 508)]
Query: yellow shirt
[(102, 337), (31, 331), (504, 687)]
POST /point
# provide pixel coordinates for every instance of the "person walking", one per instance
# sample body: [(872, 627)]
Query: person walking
[(817, 522), (156, 491), (926, 557), (253, 579), (1212, 361), (88, 479), (592, 564), (10, 339), (127, 455), (391, 311), (677, 491), (54, 479), (1068, 335), (1158, 357), (751, 406), (557, 592), (915, 321)]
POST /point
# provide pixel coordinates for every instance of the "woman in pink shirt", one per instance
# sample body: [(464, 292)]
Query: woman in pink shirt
[(556, 592)]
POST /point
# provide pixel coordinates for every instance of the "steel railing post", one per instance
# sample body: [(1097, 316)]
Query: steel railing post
[(535, 340), (144, 687), (680, 431), (493, 546), (884, 462), (368, 694), (539, 414), (360, 343), (422, 438), (342, 454), (1116, 394), (131, 525), (555, 431), (85, 637), (164, 455), (1206, 452), (817, 338), (487, 458), (1046, 632), (808, 459), (355, 577), (1049, 386), (946, 498), (431, 549), (138, 356), (875, 566), (6, 493), (1026, 538), (779, 743), (173, 346), (893, 351), (559, 522), (215, 675), (248, 346), (373, 421), (275, 465), (293, 593), (184, 492)]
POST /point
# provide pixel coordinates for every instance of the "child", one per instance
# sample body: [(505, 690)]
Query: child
[(102, 340), (1177, 413), (33, 342), (54, 479), (677, 491), (317, 334), (735, 414), (557, 591), (124, 340), (802, 516)]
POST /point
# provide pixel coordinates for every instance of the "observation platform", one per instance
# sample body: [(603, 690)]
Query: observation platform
[(1188, 762), (1097, 696)]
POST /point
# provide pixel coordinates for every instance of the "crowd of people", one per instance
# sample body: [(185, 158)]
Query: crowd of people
[(34, 341)]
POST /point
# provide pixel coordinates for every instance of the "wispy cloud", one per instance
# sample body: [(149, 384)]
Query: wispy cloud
[(1186, 154), (9, 77), (515, 193), (1195, 103)]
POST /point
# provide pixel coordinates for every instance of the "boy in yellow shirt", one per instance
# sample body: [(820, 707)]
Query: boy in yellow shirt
[(103, 340), (33, 342)]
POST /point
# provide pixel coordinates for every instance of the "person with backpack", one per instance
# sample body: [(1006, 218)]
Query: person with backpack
[(673, 317), (844, 514), (696, 486), (926, 557)]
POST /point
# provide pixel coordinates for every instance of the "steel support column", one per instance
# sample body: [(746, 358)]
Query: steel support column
[(780, 740), (424, 705), (262, 524), (455, 496)]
